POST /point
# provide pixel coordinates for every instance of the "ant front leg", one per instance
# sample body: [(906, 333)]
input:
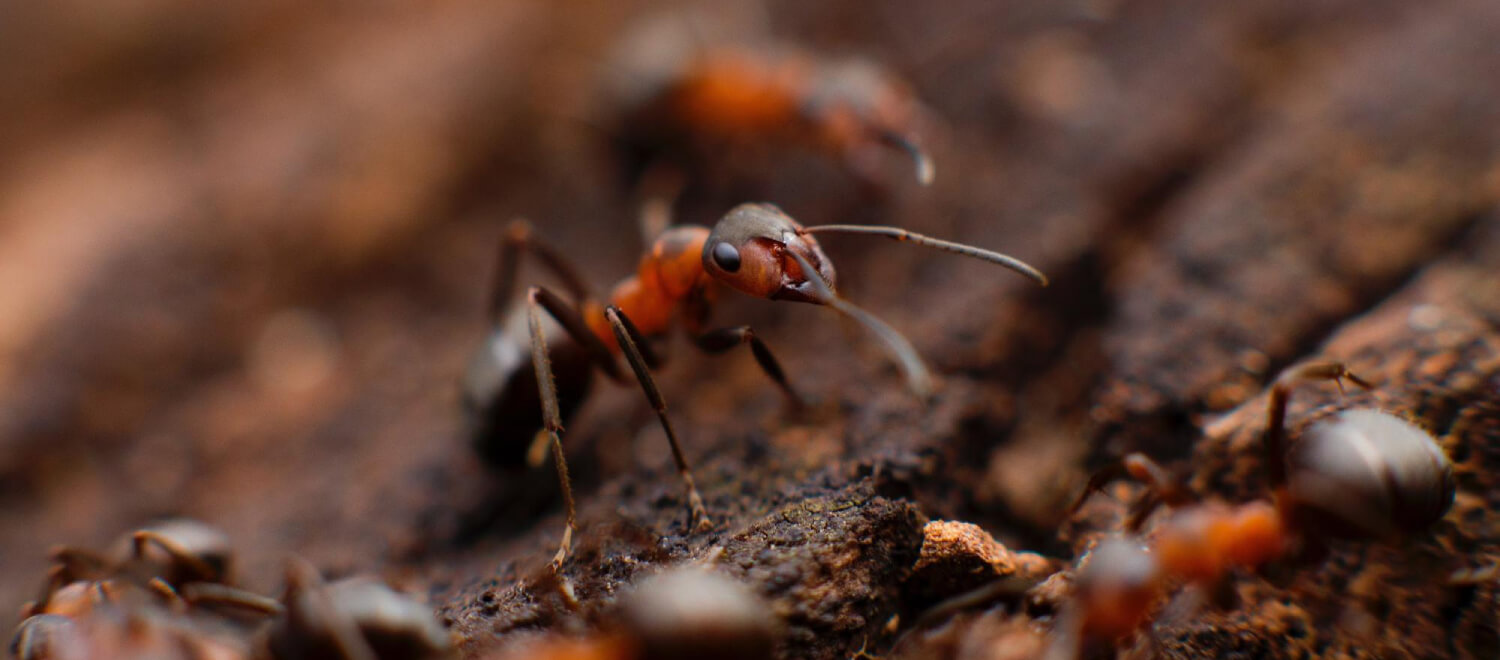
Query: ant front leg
[(178, 554), (630, 341), (1281, 394), (719, 341), (211, 594)]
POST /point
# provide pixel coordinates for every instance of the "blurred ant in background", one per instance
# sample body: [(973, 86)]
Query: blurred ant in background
[(690, 105), (682, 613), (184, 562), (131, 603), (350, 619), (755, 248), (1364, 474)]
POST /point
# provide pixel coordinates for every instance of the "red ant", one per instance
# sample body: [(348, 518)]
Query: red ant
[(1365, 474), (683, 103), (755, 248)]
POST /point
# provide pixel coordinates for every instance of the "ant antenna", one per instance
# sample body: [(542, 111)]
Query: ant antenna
[(917, 376), (900, 234), (920, 158)]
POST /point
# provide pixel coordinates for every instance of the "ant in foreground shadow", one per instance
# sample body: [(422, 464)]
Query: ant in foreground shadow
[(755, 248)]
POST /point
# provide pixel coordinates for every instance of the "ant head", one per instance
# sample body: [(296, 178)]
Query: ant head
[(755, 248)]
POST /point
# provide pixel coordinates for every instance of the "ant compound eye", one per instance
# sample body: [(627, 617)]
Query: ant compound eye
[(726, 257)]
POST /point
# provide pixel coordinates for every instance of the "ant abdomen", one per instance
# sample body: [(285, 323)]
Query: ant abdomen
[(502, 403), (1368, 474)]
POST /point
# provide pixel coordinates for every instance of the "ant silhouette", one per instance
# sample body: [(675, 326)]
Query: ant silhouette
[(755, 248)]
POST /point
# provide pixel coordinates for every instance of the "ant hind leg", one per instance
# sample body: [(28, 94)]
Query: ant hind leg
[(551, 417)]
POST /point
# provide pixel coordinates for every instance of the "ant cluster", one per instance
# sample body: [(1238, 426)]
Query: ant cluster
[(1365, 474), (167, 592)]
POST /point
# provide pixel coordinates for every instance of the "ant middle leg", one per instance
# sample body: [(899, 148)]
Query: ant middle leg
[(631, 341), (719, 341)]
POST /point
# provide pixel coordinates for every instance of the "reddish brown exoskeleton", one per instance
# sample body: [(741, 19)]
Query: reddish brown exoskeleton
[(755, 248)]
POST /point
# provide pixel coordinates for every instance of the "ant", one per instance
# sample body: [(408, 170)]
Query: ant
[(182, 561), (755, 248), (1365, 474), (683, 103), (351, 619)]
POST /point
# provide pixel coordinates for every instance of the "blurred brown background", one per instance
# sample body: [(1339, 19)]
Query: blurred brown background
[(244, 249)]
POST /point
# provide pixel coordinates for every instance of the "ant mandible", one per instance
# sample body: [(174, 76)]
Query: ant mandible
[(1365, 474), (755, 248)]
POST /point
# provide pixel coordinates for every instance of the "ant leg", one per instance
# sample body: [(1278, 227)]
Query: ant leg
[(57, 576), (1161, 487), (1102, 477), (520, 236), (630, 339), (658, 191), (209, 593), (179, 554), (303, 580), (79, 563), (1281, 393), (722, 340), (537, 299), (551, 418), (165, 591)]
